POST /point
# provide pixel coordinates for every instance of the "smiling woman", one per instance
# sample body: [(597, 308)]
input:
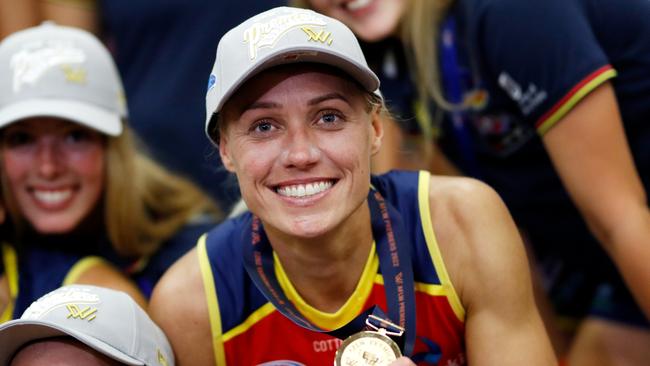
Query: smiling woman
[(329, 250), (55, 171), (289, 130), (83, 204)]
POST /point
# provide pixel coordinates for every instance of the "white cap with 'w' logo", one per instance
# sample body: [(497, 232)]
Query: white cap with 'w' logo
[(106, 320), (280, 36)]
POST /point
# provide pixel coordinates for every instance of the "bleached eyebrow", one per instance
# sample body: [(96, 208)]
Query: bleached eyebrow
[(261, 105), (311, 102), (328, 96)]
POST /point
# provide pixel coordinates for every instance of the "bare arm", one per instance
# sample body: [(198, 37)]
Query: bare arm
[(487, 263), (590, 152), (179, 307), (76, 13), (17, 15), (105, 275)]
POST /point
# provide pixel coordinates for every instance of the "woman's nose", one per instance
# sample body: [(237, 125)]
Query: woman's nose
[(302, 150), (49, 159)]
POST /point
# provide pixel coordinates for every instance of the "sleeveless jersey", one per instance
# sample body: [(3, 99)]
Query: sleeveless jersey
[(37, 271), (248, 330)]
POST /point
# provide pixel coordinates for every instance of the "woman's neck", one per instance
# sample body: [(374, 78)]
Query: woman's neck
[(325, 270), (83, 239)]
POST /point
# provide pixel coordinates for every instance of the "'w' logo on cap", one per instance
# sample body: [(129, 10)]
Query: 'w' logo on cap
[(161, 359), (75, 312), (322, 36), (74, 75)]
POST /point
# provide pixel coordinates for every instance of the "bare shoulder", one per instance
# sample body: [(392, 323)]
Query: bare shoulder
[(177, 292), (179, 306), (465, 206), (463, 196), (98, 272), (182, 278), (473, 229)]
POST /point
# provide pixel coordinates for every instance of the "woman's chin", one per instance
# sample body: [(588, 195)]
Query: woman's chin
[(307, 229), (54, 227)]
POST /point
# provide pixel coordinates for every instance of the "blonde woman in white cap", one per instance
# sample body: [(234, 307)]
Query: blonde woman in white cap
[(75, 187), (84, 325), (331, 264)]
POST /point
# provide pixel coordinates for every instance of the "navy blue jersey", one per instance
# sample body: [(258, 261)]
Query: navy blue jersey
[(33, 271), (37, 271)]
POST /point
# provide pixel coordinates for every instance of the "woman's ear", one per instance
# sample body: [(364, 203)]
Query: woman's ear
[(377, 124), (225, 154)]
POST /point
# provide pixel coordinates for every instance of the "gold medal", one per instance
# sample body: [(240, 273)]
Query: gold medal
[(373, 348)]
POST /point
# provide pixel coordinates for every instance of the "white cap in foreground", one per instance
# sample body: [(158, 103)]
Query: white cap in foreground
[(108, 321)]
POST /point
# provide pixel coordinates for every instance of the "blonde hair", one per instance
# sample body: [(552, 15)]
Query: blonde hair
[(420, 32), (144, 204)]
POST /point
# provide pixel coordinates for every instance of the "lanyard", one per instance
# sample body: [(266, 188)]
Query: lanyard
[(394, 261), (455, 86)]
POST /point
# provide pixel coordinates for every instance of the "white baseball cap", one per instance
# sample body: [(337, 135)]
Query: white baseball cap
[(106, 320), (279, 36), (56, 71)]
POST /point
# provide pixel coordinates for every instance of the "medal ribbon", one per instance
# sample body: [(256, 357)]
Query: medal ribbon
[(394, 262)]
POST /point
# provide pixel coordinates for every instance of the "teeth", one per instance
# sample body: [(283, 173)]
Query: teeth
[(52, 197), (304, 190), (357, 4), (309, 190)]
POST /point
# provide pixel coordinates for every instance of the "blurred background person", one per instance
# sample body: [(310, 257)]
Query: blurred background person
[(162, 50), (78, 193), (548, 103)]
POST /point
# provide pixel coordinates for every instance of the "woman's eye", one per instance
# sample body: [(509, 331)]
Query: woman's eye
[(330, 118), (263, 127), (17, 138), (76, 136)]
